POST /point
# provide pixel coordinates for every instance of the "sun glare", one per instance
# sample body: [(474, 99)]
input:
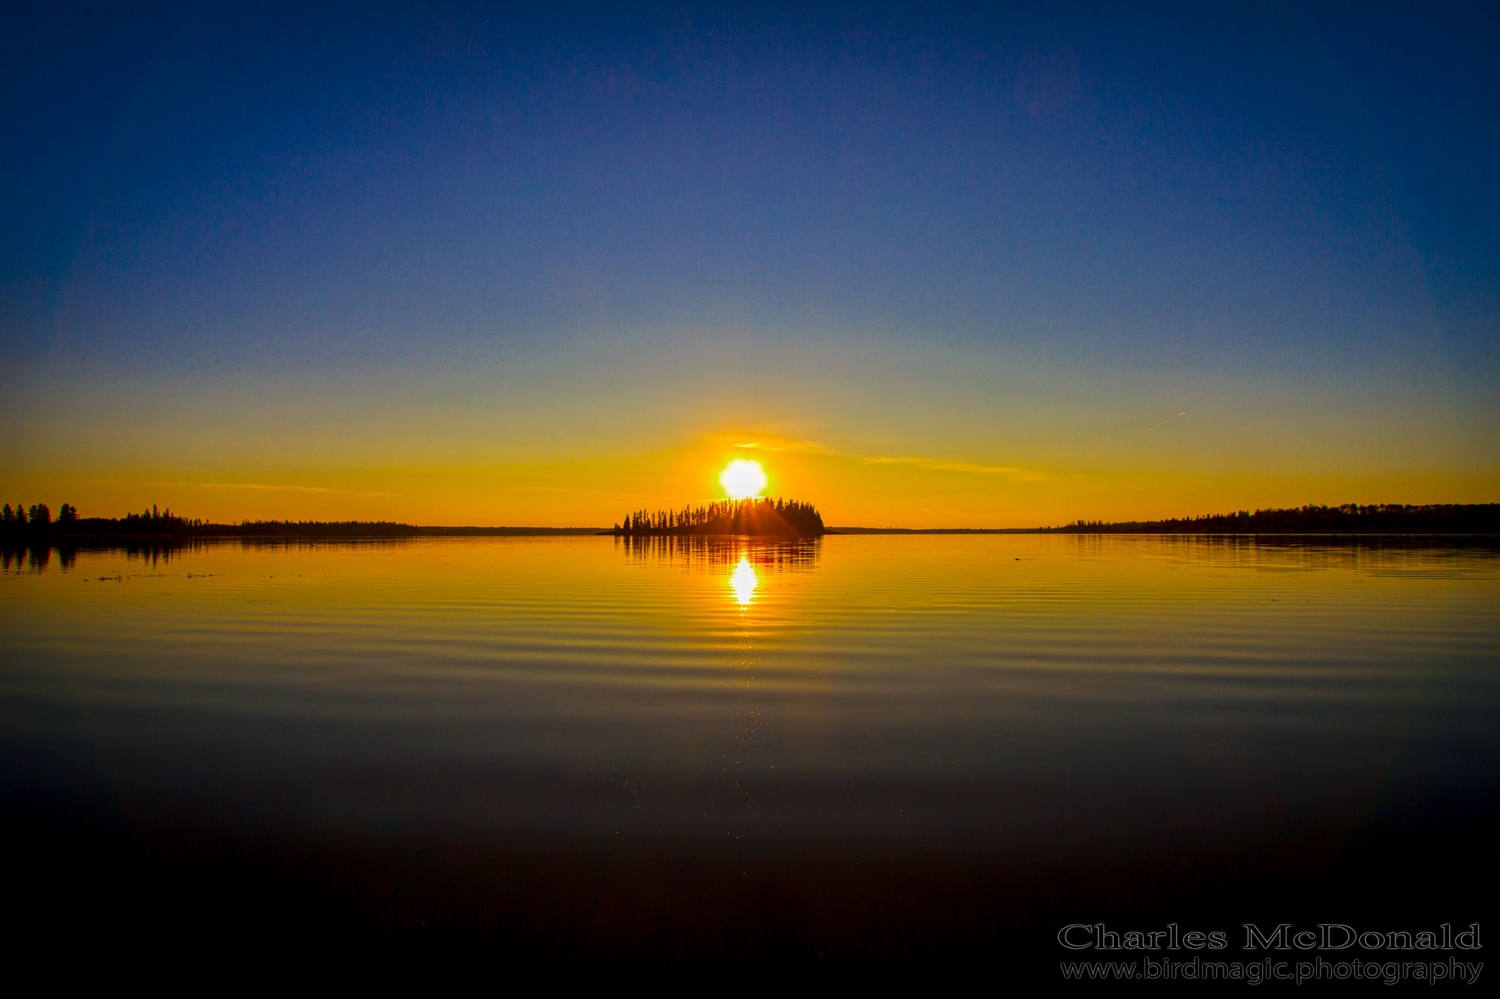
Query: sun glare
[(743, 479)]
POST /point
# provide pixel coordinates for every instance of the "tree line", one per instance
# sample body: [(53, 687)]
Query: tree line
[(21, 525), (37, 515), (750, 516), (1349, 518), (37, 519)]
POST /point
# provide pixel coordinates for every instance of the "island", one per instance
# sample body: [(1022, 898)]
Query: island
[(757, 517)]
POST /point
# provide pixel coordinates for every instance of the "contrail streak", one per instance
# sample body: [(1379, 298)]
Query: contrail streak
[(257, 485), (1164, 422)]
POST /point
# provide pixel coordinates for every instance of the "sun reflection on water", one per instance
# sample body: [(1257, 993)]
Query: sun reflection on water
[(743, 581)]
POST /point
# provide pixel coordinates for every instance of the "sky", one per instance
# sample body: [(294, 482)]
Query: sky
[(933, 266)]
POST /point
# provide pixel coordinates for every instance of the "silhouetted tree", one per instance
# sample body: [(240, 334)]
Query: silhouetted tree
[(40, 515)]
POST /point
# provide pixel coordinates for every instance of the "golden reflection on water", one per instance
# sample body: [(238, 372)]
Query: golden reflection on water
[(1048, 659), (743, 581)]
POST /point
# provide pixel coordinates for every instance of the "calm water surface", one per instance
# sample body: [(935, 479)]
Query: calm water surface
[(989, 696)]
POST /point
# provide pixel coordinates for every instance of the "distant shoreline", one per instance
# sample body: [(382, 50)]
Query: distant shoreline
[(1349, 519), (1437, 520), (113, 539), (857, 531), (95, 531)]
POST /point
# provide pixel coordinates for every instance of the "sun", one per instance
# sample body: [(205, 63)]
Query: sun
[(743, 479)]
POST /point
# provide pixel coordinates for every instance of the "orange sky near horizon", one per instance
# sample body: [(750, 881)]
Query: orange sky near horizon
[(875, 431), (849, 488)]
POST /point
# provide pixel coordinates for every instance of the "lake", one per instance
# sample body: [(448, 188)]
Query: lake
[(868, 749)]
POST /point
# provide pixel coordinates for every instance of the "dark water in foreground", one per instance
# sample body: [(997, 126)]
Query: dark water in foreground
[(868, 750)]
